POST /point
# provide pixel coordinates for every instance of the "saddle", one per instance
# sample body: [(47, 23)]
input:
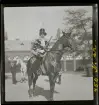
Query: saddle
[(34, 58), (41, 69)]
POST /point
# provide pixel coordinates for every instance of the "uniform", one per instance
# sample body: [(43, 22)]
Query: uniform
[(39, 44)]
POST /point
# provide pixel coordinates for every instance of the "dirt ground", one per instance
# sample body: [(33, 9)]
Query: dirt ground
[(74, 86)]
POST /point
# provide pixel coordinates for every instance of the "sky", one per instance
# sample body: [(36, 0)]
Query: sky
[(24, 22)]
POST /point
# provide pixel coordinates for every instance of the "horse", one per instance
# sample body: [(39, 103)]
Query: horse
[(51, 62), (23, 69)]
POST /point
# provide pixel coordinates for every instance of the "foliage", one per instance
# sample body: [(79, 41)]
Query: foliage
[(80, 25)]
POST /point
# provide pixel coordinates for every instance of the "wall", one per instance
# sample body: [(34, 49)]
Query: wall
[(70, 64), (21, 54)]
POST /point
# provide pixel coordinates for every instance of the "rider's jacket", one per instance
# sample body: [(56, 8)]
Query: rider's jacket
[(38, 46)]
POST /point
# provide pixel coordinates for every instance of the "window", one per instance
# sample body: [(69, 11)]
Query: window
[(69, 57)]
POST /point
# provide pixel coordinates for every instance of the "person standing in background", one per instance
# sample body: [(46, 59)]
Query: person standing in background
[(13, 71)]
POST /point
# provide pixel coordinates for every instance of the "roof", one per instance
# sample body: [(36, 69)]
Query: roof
[(17, 45)]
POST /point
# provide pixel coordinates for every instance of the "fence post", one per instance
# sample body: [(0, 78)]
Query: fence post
[(63, 63), (64, 60), (74, 62)]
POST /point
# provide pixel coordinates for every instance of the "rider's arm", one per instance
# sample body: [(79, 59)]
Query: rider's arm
[(46, 41)]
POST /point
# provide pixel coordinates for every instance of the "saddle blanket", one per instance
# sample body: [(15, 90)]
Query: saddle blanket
[(33, 59), (42, 68)]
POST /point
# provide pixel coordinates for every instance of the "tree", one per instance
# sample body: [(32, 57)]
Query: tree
[(81, 26)]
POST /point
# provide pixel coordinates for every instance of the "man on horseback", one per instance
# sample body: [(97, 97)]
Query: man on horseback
[(39, 46)]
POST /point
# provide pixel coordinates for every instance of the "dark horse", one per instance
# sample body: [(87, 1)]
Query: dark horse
[(51, 63)]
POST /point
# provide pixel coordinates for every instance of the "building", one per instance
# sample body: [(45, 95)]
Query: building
[(22, 49), (18, 48)]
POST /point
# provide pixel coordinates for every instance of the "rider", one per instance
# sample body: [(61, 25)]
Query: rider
[(39, 45)]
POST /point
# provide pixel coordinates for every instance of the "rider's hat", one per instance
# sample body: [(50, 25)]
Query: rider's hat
[(42, 31)]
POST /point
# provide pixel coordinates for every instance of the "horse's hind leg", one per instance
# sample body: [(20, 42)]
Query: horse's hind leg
[(30, 84), (52, 80), (35, 77), (59, 79)]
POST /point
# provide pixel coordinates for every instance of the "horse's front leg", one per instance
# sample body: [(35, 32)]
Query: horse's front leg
[(24, 78), (59, 79), (52, 86), (35, 77), (30, 84)]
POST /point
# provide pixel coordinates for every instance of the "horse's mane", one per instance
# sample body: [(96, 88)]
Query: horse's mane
[(58, 41), (54, 47)]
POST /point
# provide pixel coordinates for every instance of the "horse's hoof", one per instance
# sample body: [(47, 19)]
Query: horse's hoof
[(51, 99), (59, 83), (30, 96), (33, 93), (29, 93)]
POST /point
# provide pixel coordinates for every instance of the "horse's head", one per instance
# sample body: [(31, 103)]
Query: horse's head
[(67, 41), (63, 42)]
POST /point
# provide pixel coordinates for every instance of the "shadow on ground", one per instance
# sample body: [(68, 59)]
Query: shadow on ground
[(46, 80), (42, 92)]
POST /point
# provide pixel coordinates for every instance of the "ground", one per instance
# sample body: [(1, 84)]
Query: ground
[(74, 86)]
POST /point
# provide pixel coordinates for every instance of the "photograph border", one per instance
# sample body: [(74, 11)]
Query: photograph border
[(95, 59)]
